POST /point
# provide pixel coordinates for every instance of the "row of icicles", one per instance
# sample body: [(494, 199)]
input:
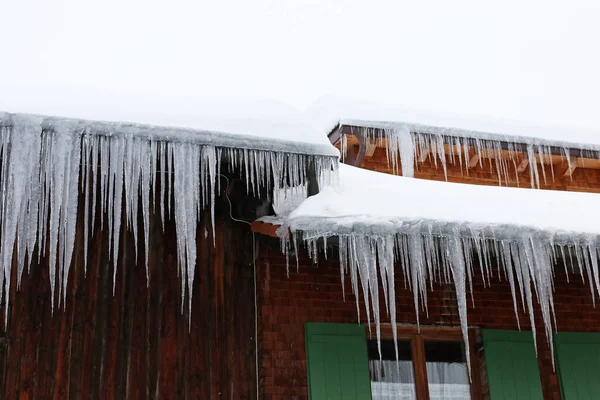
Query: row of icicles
[(506, 158), (526, 262), (46, 174)]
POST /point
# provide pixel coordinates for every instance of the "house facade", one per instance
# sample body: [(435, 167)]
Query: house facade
[(128, 257), (312, 347), (147, 262)]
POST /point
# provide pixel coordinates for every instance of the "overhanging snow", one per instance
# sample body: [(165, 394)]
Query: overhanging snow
[(247, 122), (240, 133), (381, 204)]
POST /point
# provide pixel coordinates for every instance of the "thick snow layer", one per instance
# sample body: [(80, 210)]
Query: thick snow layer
[(328, 111), (379, 203), (236, 122)]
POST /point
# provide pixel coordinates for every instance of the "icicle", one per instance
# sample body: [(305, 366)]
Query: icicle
[(442, 154), (104, 178), (69, 206), (21, 147), (86, 148), (459, 150), (458, 273), (351, 257), (343, 257), (533, 169), (468, 251), (163, 181), (407, 152), (116, 162), (568, 157), (386, 257), (540, 150), (209, 158), (417, 270), (148, 178), (465, 146), (508, 268)]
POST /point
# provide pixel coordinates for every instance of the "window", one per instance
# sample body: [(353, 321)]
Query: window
[(447, 372), (431, 364), (342, 363), (391, 377)]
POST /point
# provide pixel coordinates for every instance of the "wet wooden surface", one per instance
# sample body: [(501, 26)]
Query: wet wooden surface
[(136, 344)]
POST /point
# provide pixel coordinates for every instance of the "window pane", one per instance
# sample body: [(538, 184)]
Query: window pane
[(391, 378), (447, 374)]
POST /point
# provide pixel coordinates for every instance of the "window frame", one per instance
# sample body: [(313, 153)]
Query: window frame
[(417, 338)]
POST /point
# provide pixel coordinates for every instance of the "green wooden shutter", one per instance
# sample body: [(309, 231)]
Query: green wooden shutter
[(512, 366), (578, 364), (337, 362)]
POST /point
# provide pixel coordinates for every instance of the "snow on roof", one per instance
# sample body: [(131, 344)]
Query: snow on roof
[(439, 231), (376, 203), (259, 124), (330, 111)]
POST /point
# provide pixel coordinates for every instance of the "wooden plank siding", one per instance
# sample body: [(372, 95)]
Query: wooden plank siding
[(136, 344)]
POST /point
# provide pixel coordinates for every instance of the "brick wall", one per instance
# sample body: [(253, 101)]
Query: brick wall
[(583, 179), (314, 294)]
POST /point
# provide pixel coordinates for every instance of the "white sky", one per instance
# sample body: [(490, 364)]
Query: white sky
[(529, 60)]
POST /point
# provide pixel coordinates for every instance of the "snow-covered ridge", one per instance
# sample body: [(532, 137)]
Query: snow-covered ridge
[(244, 121), (455, 139), (48, 163), (240, 133), (441, 231), (329, 111)]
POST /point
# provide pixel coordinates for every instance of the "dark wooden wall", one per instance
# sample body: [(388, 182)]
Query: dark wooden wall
[(137, 344)]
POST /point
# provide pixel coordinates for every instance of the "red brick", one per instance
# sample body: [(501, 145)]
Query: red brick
[(290, 303)]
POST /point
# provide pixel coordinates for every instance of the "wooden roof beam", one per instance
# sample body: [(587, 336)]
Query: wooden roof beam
[(265, 228), (570, 167)]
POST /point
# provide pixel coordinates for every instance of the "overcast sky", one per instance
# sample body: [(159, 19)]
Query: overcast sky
[(529, 60)]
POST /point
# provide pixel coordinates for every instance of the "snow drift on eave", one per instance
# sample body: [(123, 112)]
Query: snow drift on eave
[(47, 163), (451, 139), (440, 231), (251, 120)]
